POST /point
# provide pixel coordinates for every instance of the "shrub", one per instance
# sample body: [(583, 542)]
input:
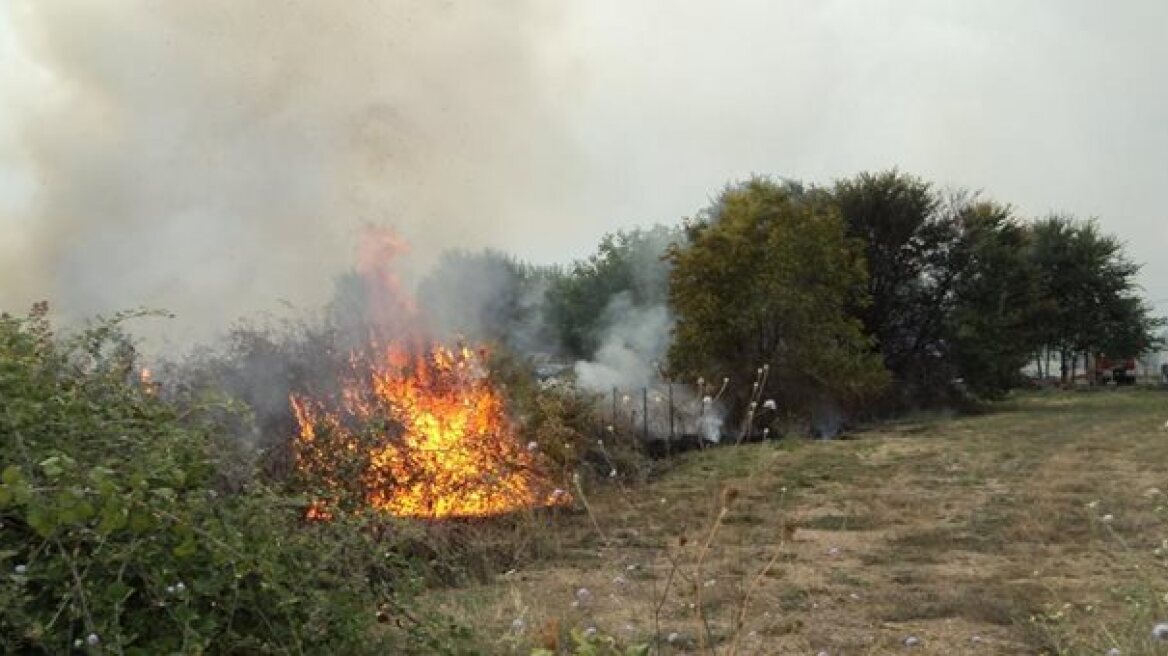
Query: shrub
[(115, 538)]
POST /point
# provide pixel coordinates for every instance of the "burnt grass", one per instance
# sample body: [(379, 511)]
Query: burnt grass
[(977, 534)]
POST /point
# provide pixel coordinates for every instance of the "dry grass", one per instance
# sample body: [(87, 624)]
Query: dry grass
[(978, 535)]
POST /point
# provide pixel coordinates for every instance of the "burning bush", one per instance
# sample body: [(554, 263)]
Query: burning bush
[(420, 435), (414, 428)]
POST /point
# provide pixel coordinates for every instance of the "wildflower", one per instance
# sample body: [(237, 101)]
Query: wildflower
[(770, 404), (1093, 505), (583, 595), (78, 643), (833, 552), (557, 493), (517, 625), (673, 638), (92, 639), (612, 473), (912, 641), (170, 589), (532, 446), (1160, 632), (710, 583), (620, 580), (1107, 518), (20, 570), (590, 633)]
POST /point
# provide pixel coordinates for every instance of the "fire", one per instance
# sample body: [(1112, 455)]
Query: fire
[(418, 430)]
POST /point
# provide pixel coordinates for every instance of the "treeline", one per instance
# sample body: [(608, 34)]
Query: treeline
[(879, 292), (884, 290)]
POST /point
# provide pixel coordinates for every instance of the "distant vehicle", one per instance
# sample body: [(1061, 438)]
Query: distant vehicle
[(1117, 371)]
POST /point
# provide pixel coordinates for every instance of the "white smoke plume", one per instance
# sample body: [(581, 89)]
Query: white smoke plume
[(214, 157), (628, 366), (634, 341)]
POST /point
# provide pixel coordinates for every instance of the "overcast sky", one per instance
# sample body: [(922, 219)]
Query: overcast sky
[(534, 127)]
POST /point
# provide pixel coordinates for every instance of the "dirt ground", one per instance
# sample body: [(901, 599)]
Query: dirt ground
[(1034, 528)]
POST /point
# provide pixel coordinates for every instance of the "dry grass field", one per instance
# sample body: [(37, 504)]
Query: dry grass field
[(1038, 527)]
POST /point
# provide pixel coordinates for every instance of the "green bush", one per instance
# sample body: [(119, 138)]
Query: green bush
[(115, 537)]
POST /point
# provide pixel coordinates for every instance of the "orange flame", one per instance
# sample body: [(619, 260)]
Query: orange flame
[(417, 431)]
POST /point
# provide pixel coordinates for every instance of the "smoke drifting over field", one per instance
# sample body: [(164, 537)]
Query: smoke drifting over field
[(212, 157)]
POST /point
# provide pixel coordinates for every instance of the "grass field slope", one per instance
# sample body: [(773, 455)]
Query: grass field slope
[(1040, 526)]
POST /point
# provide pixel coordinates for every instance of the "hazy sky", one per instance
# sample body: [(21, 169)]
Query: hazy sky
[(210, 160)]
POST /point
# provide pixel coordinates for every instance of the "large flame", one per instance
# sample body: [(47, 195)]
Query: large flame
[(418, 430)]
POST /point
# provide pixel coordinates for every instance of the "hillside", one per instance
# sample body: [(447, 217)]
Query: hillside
[(1035, 527)]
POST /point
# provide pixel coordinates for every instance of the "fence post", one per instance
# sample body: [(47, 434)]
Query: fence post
[(645, 414), (669, 443), (613, 422)]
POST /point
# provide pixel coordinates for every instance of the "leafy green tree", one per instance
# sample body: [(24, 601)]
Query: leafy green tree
[(631, 263), (1088, 298), (990, 329), (767, 278), (908, 236)]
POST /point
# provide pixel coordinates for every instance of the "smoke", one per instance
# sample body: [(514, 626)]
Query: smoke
[(627, 364), (213, 158), (634, 341), (487, 296)]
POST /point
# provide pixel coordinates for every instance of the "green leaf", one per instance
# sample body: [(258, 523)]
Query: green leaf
[(187, 548), (140, 521), (114, 516), (42, 520), (55, 466), (12, 475)]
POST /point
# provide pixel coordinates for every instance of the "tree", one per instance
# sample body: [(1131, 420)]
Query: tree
[(1088, 300), (766, 279), (631, 264), (909, 235), (989, 330)]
